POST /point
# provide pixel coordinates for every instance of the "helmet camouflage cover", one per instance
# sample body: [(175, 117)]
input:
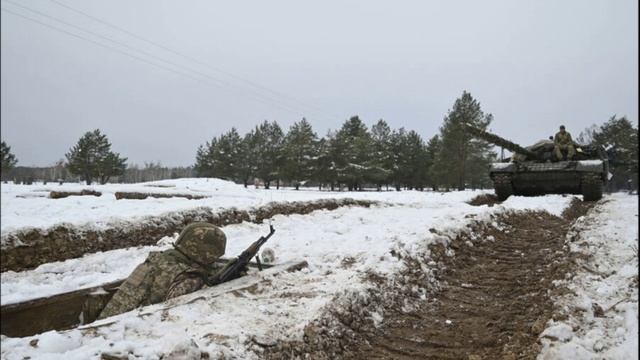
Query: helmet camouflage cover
[(202, 242)]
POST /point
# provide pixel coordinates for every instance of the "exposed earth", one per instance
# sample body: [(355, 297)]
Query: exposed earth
[(493, 303), (495, 299)]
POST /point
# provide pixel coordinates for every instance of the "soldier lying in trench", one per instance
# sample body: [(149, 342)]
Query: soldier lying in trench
[(174, 272)]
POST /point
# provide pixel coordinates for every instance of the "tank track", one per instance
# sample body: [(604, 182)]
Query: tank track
[(591, 184), (502, 186)]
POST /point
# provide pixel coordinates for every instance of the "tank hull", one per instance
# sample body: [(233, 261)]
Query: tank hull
[(563, 177)]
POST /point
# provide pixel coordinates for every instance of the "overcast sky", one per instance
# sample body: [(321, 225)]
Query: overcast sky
[(533, 64)]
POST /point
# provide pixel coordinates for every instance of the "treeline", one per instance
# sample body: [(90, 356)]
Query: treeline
[(60, 173), (90, 159), (154, 171), (354, 156)]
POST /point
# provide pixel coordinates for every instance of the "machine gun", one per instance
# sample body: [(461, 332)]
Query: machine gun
[(499, 141), (237, 266)]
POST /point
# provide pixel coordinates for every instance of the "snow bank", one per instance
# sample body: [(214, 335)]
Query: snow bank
[(602, 313)]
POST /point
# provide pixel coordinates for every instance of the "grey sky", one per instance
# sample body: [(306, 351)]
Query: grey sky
[(533, 64)]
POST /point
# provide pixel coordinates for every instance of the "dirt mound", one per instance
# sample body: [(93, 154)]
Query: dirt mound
[(141, 196), (577, 209), (301, 208), (26, 249), (64, 194), (490, 298), (484, 199)]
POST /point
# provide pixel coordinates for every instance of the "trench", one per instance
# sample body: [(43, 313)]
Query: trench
[(29, 248), (70, 309), (490, 300)]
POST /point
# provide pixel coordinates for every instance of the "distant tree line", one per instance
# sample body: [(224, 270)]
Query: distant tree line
[(154, 171), (60, 173), (89, 160), (354, 156)]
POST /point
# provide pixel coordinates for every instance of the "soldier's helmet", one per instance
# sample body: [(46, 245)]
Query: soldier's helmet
[(202, 242)]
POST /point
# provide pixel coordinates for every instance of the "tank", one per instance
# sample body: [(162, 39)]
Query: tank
[(534, 170)]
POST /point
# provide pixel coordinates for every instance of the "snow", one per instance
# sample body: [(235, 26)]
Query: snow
[(603, 310), (341, 246), (553, 204), (561, 332), (590, 162), (27, 206), (324, 236), (500, 165), (57, 277)]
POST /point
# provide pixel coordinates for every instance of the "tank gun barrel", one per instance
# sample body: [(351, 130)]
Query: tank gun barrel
[(499, 141)]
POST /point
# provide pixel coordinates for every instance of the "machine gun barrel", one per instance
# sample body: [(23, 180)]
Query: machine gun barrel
[(499, 141)]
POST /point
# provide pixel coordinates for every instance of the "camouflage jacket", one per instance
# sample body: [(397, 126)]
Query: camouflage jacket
[(563, 139), (162, 276)]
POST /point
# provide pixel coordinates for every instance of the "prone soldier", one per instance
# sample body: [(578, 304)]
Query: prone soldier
[(174, 272)]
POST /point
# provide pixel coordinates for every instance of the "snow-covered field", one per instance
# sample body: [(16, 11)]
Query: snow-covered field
[(603, 309), (323, 237), (25, 206), (341, 246)]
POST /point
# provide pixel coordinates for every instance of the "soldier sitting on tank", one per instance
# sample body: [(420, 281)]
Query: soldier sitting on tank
[(170, 273), (563, 143)]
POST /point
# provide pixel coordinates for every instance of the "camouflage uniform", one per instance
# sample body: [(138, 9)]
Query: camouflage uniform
[(563, 142), (173, 272)]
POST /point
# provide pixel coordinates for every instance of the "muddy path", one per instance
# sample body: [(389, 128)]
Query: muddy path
[(494, 298)]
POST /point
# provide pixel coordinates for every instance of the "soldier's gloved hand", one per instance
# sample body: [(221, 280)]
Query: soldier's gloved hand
[(244, 271), (224, 267)]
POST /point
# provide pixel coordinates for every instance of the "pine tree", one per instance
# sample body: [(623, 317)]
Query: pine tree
[(381, 157), (248, 166), (204, 166), (353, 143), (461, 156), (111, 165), (269, 139), (227, 155), (9, 160), (92, 158), (621, 139), (324, 167), (299, 150), (414, 161), (431, 152), (409, 160), (396, 144)]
